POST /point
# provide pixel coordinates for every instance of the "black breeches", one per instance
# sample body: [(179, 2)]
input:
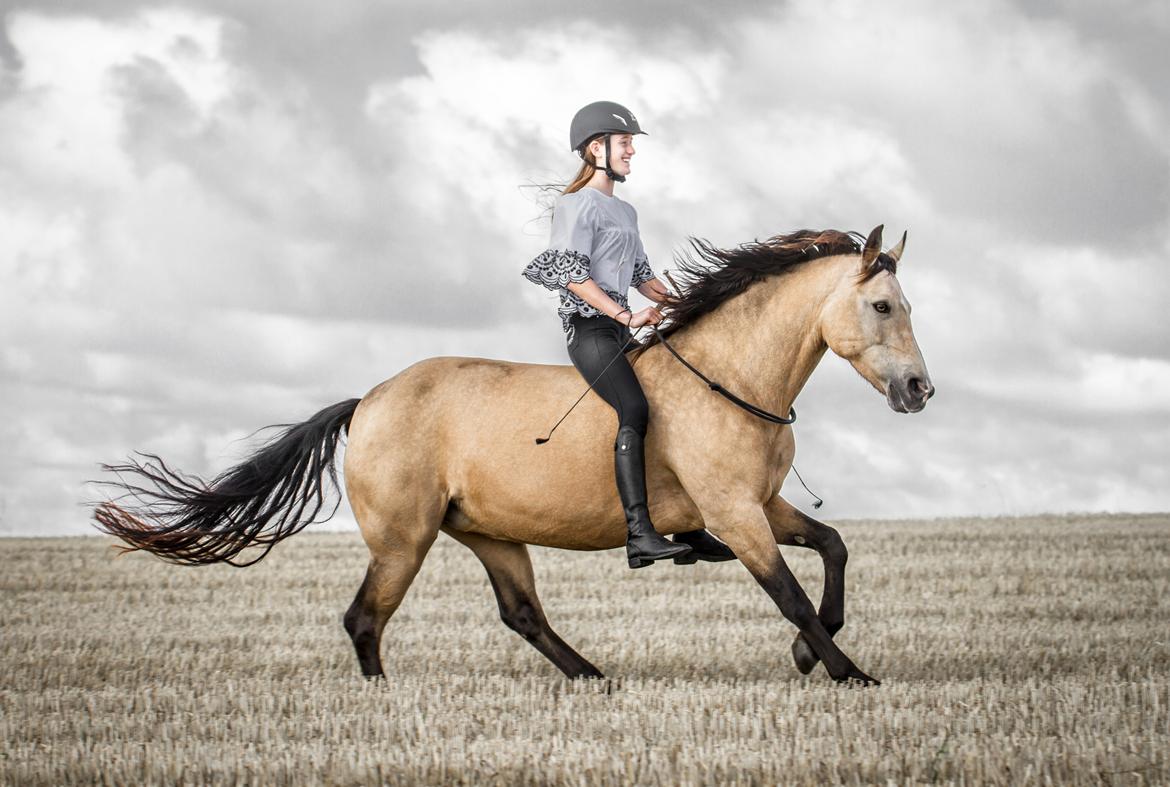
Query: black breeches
[(595, 343)]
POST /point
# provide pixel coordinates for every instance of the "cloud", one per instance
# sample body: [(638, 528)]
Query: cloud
[(223, 215), (1000, 117)]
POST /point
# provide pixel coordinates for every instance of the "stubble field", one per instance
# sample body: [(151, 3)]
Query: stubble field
[(1012, 651)]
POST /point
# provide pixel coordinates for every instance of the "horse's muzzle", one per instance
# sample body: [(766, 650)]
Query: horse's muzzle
[(910, 395)]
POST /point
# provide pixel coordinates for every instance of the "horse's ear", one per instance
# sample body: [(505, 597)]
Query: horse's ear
[(896, 252), (873, 246)]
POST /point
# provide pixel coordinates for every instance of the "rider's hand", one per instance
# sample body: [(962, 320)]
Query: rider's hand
[(647, 316)]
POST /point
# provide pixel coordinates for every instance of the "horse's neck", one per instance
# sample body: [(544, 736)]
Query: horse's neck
[(764, 343)]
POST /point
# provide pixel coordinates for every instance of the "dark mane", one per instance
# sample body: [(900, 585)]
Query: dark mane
[(720, 274)]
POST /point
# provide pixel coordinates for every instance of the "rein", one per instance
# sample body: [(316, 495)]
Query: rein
[(759, 412)]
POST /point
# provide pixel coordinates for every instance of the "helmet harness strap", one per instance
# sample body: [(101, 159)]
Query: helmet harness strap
[(608, 169)]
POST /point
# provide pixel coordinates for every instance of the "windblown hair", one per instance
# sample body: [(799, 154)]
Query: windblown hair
[(720, 274), (583, 176)]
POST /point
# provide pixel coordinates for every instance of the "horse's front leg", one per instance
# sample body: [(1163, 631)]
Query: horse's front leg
[(795, 528), (746, 530)]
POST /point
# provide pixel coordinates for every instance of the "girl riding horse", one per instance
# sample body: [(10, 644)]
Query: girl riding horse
[(594, 256)]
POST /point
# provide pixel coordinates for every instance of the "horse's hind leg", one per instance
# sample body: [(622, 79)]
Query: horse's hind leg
[(510, 571), (794, 528), (388, 577)]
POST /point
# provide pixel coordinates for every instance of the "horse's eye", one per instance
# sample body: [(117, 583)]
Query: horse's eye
[(882, 306)]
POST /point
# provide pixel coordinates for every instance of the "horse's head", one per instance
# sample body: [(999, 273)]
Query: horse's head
[(866, 321)]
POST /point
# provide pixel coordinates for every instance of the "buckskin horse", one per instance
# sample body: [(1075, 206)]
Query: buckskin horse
[(446, 445)]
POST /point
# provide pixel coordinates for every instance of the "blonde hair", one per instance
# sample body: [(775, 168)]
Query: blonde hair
[(585, 174)]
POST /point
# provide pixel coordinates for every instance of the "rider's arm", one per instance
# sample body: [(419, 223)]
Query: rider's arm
[(597, 298), (655, 290), (645, 280)]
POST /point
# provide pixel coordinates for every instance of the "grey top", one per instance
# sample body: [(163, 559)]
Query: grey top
[(594, 236)]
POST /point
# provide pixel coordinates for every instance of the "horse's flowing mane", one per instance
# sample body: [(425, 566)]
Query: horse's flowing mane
[(720, 274)]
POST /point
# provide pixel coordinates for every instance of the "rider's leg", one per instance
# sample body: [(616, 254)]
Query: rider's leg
[(596, 343), (703, 545)]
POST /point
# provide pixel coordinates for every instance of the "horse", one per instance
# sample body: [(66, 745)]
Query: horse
[(446, 446)]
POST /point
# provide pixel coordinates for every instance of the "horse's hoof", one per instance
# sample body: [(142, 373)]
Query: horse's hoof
[(803, 655), (858, 678)]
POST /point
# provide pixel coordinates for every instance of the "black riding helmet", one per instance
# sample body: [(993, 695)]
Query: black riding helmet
[(601, 117)]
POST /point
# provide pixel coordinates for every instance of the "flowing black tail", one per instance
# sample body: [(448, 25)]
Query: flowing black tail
[(271, 496)]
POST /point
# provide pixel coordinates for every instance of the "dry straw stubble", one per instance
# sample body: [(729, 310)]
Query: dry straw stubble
[(1027, 650)]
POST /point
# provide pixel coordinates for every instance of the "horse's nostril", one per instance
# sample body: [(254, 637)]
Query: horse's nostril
[(921, 389)]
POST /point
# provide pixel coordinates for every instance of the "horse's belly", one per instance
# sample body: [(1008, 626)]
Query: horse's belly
[(560, 494), (540, 495)]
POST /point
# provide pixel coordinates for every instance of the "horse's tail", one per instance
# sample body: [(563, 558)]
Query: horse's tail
[(269, 497)]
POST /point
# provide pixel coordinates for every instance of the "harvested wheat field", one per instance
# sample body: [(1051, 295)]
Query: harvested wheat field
[(1012, 651)]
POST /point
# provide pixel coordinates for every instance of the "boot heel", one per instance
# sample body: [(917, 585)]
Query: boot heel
[(687, 559), (637, 562)]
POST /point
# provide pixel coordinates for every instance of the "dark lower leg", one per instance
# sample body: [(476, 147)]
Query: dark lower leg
[(361, 624), (795, 528), (828, 544), (703, 546), (782, 586), (756, 548), (388, 577), (510, 572), (522, 613), (832, 609), (826, 541)]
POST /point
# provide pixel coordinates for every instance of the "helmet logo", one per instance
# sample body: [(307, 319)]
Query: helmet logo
[(619, 117)]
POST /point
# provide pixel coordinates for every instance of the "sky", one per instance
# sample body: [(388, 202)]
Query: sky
[(220, 215)]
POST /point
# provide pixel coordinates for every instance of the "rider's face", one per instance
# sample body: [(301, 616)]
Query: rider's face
[(621, 150)]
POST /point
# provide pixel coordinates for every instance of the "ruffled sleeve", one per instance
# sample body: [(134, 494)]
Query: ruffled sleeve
[(570, 245), (642, 270), (556, 268)]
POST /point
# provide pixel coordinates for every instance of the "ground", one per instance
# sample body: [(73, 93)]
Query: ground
[(1012, 651)]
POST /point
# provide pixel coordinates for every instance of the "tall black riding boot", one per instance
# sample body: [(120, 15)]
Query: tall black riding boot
[(643, 543)]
